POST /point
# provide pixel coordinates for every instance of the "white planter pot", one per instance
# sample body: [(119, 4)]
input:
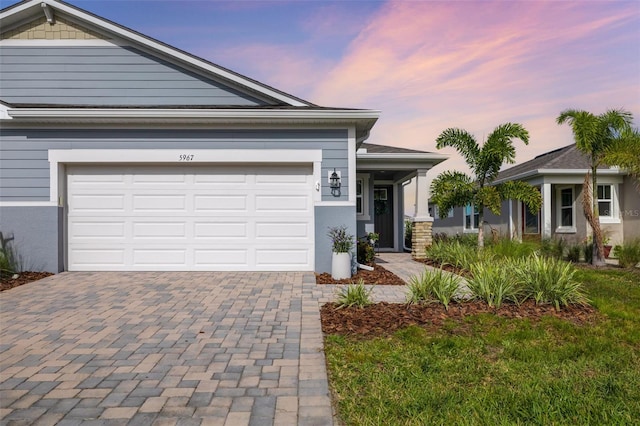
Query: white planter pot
[(341, 266)]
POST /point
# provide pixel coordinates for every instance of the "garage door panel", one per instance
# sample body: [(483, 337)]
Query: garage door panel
[(190, 218), (97, 230), (220, 230), (149, 229), (159, 257), (282, 203), (279, 230), (99, 203), (145, 203), (221, 257), (170, 179), (219, 179), (226, 203), (89, 259)]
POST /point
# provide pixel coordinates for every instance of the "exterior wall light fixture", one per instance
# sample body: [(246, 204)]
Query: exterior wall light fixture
[(334, 183)]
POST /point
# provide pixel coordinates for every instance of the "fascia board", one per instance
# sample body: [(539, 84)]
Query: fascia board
[(165, 49), (546, 172), (80, 113), (403, 161)]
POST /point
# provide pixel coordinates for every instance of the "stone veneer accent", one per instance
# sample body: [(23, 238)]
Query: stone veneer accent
[(421, 238), (40, 29)]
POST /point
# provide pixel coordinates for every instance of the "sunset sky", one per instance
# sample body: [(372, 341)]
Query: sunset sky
[(426, 65)]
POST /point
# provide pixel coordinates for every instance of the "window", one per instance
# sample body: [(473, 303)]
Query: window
[(608, 208), (471, 217), (435, 212), (566, 210), (531, 221), (362, 197)]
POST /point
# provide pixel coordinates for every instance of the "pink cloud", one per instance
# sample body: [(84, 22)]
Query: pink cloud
[(433, 65)]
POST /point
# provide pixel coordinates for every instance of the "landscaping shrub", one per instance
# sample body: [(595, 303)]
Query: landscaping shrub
[(433, 286), (355, 295), (553, 247), (456, 253), (366, 252), (588, 252), (341, 240), (628, 254), (548, 280), (493, 282), (573, 253), (10, 260), (509, 248), (408, 233)]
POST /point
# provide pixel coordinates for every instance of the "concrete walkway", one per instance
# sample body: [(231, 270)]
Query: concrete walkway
[(164, 349)]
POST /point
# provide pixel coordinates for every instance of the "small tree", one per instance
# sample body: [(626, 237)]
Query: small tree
[(456, 189), (624, 152), (595, 136)]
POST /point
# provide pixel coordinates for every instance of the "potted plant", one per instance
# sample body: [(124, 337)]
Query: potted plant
[(341, 245)]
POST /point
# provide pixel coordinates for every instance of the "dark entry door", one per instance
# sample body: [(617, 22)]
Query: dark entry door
[(383, 211)]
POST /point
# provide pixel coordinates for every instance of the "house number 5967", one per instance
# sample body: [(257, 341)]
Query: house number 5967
[(186, 157)]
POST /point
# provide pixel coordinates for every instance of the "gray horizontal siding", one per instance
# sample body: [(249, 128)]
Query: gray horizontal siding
[(24, 165), (105, 75)]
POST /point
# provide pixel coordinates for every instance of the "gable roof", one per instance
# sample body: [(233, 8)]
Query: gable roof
[(28, 10), (566, 159), (276, 107)]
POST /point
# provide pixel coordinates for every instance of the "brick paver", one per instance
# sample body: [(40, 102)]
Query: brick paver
[(164, 348)]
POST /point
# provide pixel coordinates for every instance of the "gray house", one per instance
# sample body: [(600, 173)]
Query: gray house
[(119, 152), (559, 176)]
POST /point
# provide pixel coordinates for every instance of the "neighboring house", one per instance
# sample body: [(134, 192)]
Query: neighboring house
[(119, 152), (559, 175)]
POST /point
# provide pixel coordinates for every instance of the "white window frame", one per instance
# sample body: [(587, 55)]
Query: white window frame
[(474, 226), (565, 229), (364, 215), (614, 211)]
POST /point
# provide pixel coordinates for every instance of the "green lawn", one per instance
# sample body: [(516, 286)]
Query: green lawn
[(493, 371)]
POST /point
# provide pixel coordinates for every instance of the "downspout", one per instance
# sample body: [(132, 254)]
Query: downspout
[(404, 246)]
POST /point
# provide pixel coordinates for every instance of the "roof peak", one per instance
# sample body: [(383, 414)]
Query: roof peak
[(25, 10)]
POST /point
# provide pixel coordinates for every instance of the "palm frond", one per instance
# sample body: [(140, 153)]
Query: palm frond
[(451, 189), (624, 152), (488, 197), (464, 142), (521, 191), (584, 126), (499, 149)]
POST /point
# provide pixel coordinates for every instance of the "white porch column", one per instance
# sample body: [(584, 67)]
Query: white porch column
[(422, 196), (421, 237), (545, 220)]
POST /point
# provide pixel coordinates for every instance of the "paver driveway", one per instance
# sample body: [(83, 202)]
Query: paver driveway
[(164, 348)]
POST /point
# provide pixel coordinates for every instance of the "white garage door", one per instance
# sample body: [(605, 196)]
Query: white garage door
[(200, 218)]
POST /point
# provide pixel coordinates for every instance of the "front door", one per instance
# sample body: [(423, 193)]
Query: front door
[(530, 224), (383, 211)]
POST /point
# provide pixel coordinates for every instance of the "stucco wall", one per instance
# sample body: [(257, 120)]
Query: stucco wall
[(36, 232), (326, 217)]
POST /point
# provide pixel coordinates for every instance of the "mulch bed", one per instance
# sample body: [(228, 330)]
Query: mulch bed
[(379, 275), (8, 282), (383, 319)]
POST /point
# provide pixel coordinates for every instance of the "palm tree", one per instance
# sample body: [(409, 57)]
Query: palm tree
[(456, 189), (624, 152), (595, 135)]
